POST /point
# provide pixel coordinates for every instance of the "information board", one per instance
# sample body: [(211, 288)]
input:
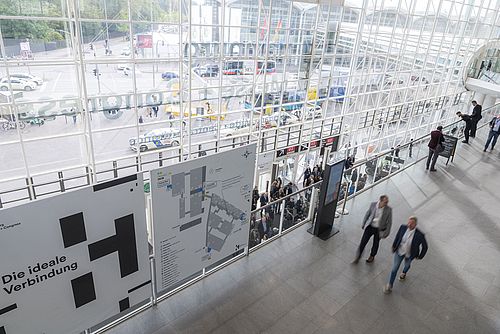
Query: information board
[(71, 261), (201, 212), (449, 145)]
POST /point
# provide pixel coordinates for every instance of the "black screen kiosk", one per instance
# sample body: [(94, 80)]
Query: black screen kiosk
[(328, 197)]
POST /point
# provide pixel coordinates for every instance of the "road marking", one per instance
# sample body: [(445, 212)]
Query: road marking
[(56, 81)]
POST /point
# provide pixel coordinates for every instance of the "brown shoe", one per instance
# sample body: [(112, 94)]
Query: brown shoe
[(370, 259)]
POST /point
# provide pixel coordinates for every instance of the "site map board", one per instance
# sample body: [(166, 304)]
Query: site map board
[(201, 210)]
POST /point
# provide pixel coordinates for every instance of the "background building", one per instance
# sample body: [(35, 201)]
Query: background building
[(95, 89)]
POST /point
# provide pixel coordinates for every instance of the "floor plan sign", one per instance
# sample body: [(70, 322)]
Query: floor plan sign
[(201, 211), (71, 261)]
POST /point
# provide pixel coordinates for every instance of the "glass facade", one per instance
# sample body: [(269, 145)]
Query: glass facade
[(96, 89)]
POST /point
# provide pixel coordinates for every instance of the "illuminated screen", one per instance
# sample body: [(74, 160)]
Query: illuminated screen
[(334, 182)]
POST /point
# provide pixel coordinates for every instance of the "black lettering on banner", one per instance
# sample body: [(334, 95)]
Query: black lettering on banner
[(3, 311), (122, 242), (124, 304), (73, 229), (115, 182), (83, 289), (8, 309)]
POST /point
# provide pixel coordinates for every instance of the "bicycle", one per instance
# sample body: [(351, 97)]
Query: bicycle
[(8, 125)]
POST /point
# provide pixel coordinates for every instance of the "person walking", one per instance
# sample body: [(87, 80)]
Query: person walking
[(468, 124), (378, 222), (476, 117), (435, 147), (494, 132), (408, 245)]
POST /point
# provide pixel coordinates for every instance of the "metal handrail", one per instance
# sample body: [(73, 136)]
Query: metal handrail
[(286, 197), (176, 156), (381, 154), (364, 162)]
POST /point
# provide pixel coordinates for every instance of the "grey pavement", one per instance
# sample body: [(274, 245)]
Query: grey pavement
[(301, 284)]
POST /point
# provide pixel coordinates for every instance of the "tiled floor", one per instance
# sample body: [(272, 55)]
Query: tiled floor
[(301, 284)]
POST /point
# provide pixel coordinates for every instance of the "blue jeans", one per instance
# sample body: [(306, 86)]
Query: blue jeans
[(492, 135), (395, 267)]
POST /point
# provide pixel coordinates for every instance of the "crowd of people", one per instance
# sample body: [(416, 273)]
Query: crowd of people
[(265, 222)]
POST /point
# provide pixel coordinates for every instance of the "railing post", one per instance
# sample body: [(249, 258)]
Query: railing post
[(31, 189), (87, 174), (115, 169), (61, 181), (160, 159), (262, 143), (137, 164), (152, 263), (1, 205), (282, 216)]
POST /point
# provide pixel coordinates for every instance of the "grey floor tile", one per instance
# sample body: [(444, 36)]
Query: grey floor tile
[(148, 321), (492, 297), (201, 320), (291, 323), (224, 329), (167, 329)]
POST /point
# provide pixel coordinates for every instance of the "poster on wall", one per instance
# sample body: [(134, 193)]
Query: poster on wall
[(72, 261), (201, 211)]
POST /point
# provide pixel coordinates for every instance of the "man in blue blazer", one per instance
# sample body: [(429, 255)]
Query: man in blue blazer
[(409, 244)]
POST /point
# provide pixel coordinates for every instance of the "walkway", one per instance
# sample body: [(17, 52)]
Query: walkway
[(300, 284)]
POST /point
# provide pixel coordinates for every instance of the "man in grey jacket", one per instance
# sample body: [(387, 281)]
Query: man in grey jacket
[(377, 223)]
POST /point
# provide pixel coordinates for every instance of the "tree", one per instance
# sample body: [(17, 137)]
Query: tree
[(46, 30)]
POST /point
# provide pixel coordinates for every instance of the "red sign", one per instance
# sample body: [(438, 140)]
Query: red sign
[(314, 144), (145, 41), (292, 149), (331, 141)]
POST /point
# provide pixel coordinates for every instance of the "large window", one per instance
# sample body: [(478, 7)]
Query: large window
[(94, 89)]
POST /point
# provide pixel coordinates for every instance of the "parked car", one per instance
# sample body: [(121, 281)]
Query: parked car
[(233, 131), (285, 118), (29, 77), (313, 111), (154, 139), (169, 75), (123, 67), (17, 84), (10, 125), (211, 70), (125, 51)]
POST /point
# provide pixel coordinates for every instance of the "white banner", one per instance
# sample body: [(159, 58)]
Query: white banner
[(71, 261), (201, 212)]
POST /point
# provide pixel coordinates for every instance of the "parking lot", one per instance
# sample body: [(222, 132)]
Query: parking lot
[(109, 86)]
